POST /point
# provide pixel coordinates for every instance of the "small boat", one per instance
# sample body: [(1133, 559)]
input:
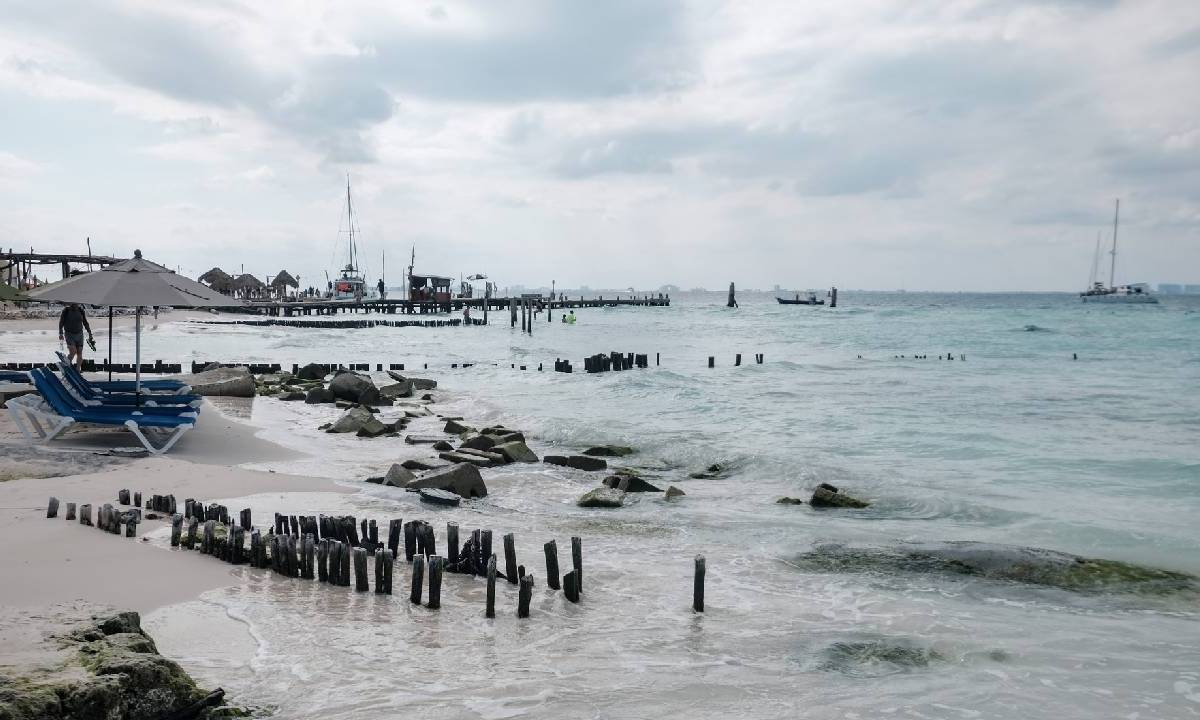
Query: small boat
[(1098, 292), (810, 300), (352, 284), (437, 496)]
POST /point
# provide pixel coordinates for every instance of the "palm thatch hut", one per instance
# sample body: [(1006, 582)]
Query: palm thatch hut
[(248, 286), (218, 280), (282, 282)]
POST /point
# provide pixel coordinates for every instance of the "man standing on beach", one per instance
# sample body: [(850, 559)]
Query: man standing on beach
[(71, 324)]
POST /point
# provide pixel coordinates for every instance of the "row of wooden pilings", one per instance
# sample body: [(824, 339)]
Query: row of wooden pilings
[(325, 548), (349, 324), (759, 358)]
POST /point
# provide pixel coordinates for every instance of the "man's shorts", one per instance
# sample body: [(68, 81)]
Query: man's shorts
[(74, 340)]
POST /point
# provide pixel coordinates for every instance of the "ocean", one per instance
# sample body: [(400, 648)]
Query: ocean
[(1013, 442)]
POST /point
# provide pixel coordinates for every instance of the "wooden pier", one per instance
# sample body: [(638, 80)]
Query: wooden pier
[(418, 307)]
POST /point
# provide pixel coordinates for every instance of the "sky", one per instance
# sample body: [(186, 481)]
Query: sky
[(956, 145)]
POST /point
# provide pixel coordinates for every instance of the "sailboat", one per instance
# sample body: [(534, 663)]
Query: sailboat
[(351, 283), (1120, 294)]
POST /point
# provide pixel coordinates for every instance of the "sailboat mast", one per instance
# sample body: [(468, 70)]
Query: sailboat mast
[(1112, 271), (1095, 261), (350, 222)]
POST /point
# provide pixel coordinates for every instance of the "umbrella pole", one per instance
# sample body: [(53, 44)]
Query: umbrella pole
[(109, 361), (137, 353)]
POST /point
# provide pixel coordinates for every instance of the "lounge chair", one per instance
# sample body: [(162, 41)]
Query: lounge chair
[(59, 410), (79, 388), (149, 386), (14, 376)]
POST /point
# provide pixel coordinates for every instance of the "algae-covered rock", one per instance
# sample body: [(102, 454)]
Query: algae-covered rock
[(877, 657), (602, 497), (829, 496), (608, 451), (1033, 566)]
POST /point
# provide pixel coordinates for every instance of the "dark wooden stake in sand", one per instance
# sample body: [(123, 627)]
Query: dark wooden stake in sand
[(52, 508), (176, 529), (418, 575), (698, 587), (552, 565), (360, 570), (85, 514), (452, 544), (510, 558), (571, 586), (70, 511), (435, 581), (524, 595), (577, 563), (491, 588)]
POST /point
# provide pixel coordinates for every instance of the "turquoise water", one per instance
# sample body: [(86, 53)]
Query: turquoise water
[(1016, 444)]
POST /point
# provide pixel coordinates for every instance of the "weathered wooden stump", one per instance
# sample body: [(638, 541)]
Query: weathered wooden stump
[(418, 577), (551, 549), (395, 527), (491, 588), (245, 520), (190, 543), (344, 559), (435, 581), (577, 563), (52, 508), (131, 524), (176, 529), (237, 554), (485, 545), (410, 539), (85, 514), (510, 558), (571, 586), (70, 511), (322, 557), (452, 545), (309, 551), (698, 586), (137, 499), (360, 569), (123, 496), (524, 595)]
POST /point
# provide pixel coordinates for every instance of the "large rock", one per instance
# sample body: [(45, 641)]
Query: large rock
[(629, 483), (608, 451), (350, 386), (422, 439), (454, 427), (458, 457), (398, 476), (479, 442), (223, 382), (293, 396), (827, 495), (311, 371), (423, 384), (443, 446), (421, 464), (374, 427), (674, 492), (494, 458), (461, 478), (602, 497), (712, 471), (352, 420), (371, 396), (396, 390), (515, 451), (579, 462)]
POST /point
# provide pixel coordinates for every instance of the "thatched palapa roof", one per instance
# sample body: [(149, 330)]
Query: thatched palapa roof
[(284, 279), (246, 281), (218, 280)]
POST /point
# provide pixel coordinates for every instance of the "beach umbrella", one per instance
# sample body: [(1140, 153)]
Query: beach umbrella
[(135, 283), (8, 293)]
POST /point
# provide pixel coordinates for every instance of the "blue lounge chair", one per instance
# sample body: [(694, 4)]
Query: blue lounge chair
[(75, 402), (59, 410), (149, 386), (78, 386), (14, 376)]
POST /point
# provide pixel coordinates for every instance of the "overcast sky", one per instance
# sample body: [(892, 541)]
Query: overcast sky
[(869, 144)]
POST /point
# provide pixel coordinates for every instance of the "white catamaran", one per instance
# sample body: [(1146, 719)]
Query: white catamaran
[(1123, 294), (352, 284)]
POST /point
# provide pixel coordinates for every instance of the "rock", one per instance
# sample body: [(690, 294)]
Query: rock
[(674, 492), (629, 483), (371, 396), (222, 382), (373, 428), (423, 384), (396, 390), (515, 451), (353, 420), (422, 439), (710, 472), (434, 496), (494, 458), (608, 451), (427, 397), (579, 462), (460, 478), (350, 386), (396, 376), (430, 464), (506, 437), (479, 442), (375, 480), (827, 495), (398, 476), (602, 497), (293, 396), (454, 427), (443, 446), (457, 457), (319, 395), (122, 622), (1009, 563), (344, 404), (789, 501), (311, 371)]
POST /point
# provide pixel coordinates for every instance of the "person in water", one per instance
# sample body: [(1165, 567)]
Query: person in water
[(71, 324), (571, 318)]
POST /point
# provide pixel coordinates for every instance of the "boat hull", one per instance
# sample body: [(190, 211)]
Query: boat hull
[(784, 301), (1114, 299)]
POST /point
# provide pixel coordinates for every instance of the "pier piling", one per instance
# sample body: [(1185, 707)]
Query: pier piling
[(418, 577), (510, 559), (360, 569), (698, 586), (577, 563), (524, 595), (490, 612), (52, 508), (176, 529), (551, 549), (70, 511), (435, 582)]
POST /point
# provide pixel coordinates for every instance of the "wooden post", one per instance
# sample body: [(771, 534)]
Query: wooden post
[(309, 549), (491, 588), (710, 361), (524, 595), (388, 561), (571, 586), (485, 544), (52, 508), (137, 499), (344, 565), (322, 558), (70, 511), (123, 496), (394, 529), (379, 553), (430, 543), (360, 569), (193, 524), (551, 549), (176, 529), (130, 525), (737, 360), (418, 573), (577, 563), (410, 540), (510, 559), (452, 544), (435, 582), (698, 586)]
